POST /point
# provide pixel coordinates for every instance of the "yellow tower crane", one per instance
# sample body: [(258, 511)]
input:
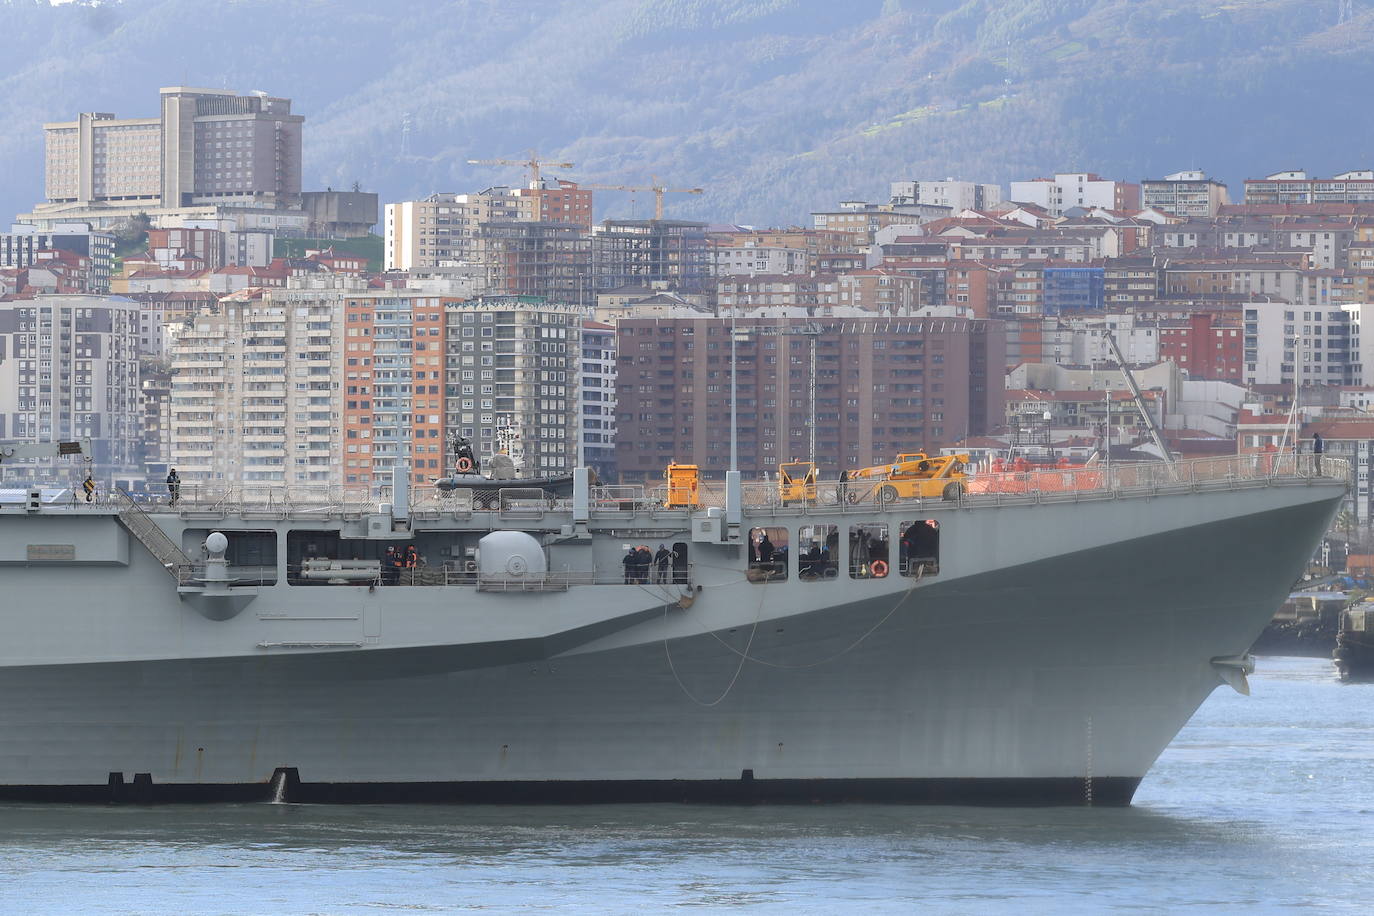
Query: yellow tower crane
[(533, 164), (657, 187)]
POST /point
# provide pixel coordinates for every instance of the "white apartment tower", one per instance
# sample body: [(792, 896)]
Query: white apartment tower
[(957, 195), (255, 391)]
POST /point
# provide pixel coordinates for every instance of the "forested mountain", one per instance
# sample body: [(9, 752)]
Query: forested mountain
[(775, 107)]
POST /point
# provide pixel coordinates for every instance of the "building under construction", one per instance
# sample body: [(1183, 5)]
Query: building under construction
[(545, 259), (641, 252)]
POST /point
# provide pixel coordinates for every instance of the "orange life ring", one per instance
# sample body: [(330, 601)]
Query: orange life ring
[(878, 568), (464, 464)]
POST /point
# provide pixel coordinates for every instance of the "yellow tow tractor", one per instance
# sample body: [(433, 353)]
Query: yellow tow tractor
[(796, 482), (912, 475)]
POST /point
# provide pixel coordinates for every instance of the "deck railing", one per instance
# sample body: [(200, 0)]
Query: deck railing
[(984, 487)]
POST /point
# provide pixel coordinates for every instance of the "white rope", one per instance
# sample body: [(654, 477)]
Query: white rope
[(744, 656)]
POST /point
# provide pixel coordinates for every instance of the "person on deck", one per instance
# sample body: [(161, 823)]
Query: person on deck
[(1318, 449), (173, 486), (662, 560)]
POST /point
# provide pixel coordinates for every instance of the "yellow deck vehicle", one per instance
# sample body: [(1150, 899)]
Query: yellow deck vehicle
[(796, 482), (912, 475), (684, 482)]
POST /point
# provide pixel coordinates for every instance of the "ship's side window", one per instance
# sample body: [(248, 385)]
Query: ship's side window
[(818, 552), (868, 553), (919, 548), (768, 549)]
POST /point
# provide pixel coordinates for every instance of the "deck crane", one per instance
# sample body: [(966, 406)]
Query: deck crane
[(657, 187), (533, 164), (11, 451), (1139, 399)]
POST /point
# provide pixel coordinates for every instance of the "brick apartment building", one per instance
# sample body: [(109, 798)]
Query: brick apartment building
[(882, 386)]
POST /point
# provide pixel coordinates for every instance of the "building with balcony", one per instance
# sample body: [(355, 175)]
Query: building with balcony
[(69, 369)]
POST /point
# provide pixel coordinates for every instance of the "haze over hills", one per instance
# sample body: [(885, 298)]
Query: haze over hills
[(775, 107)]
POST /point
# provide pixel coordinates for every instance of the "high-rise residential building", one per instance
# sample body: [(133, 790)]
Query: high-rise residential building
[(596, 399), (1190, 194), (957, 195), (206, 146), (447, 229), (393, 377), (881, 387), (22, 245), (256, 386), (512, 377), (1067, 190), (1297, 187), (68, 369)]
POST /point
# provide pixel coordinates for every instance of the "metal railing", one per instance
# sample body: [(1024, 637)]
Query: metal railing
[(982, 487)]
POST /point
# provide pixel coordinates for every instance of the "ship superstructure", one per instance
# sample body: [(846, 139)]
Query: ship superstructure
[(1020, 644)]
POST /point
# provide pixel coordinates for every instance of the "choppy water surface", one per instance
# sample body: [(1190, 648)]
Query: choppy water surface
[(1261, 803)]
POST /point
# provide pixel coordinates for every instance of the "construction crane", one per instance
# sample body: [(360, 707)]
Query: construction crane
[(533, 164), (657, 187)]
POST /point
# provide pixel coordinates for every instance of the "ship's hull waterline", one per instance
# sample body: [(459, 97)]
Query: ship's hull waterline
[(1052, 658)]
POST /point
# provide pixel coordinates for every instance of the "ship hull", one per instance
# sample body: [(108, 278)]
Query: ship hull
[(1057, 680)]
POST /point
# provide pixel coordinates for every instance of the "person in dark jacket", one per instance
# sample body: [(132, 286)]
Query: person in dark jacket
[(1318, 449), (662, 560), (173, 486), (765, 549), (631, 557)]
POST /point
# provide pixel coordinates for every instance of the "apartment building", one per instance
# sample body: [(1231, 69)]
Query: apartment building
[(512, 365), (393, 386), (445, 229), (255, 393), (1208, 345), (68, 369), (860, 220), (1280, 337), (1067, 190), (448, 229), (1189, 194), (206, 146), (881, 386), (1295, 186), (739, 260), (958, 196), (596, 400), (23, 244)]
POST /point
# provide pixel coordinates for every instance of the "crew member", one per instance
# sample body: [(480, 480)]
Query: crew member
[(662, 559), (173, 485), (1318, 447), (88, 485), (765, 549)]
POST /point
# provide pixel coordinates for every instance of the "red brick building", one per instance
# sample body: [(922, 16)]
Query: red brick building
[(1208, 345), (882, 386)]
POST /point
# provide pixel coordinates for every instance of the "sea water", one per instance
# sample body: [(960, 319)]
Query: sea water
[(1262, 803)]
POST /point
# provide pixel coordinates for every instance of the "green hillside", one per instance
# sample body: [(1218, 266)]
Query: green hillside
[(773, 106)]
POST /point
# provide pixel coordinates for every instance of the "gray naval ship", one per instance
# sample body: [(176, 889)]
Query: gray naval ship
[(1038, 639)]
